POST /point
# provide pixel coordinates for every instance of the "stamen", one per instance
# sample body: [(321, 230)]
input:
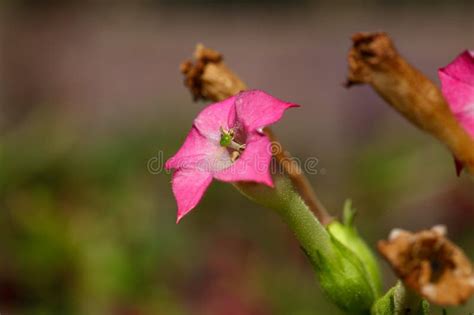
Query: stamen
[(236, 146), (234, 156), (227, 140)]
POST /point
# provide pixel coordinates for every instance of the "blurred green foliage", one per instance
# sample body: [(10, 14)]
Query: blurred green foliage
[(85, 228)]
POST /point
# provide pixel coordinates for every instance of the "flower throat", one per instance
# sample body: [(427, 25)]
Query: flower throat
[(228, 141)]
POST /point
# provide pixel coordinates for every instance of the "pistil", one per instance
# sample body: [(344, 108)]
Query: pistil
[(227, 140)]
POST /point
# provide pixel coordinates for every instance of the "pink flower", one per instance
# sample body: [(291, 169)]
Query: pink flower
[(226, 143), (457, 81), (457, 85)]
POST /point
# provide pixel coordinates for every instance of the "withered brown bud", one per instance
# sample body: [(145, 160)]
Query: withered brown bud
[(370, 50), (208, 77), (373, 59), (207, 54), (430, 264)]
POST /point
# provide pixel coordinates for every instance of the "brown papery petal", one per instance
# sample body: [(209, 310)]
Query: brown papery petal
[(430, 264)]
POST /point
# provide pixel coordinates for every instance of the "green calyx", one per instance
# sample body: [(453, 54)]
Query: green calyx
[(344, 280), (347, 234), (400, 301)]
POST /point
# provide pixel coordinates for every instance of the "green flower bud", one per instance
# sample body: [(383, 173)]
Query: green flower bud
[(345, 280), (398, 301), (347, 234)]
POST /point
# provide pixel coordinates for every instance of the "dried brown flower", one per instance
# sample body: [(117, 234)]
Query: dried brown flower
[(373, 59), (208, 77), (430, 264)]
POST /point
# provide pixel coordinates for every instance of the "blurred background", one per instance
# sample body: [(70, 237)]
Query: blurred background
[(90, 91)]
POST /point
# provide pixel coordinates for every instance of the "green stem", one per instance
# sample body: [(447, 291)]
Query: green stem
[(341, 273), (400, 300), (311, 234)]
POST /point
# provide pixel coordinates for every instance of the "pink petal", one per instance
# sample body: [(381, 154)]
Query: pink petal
[(457, 82), (189, 186), (253, 165), (458, 94), (214, 117), (256, 109), (198, 152), (467, 121), (462, 68)]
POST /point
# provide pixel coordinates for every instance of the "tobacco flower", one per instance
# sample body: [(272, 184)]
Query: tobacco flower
[(226, 143)]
